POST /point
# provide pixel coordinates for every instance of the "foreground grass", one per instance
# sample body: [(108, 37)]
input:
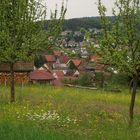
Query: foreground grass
[(48, 113)]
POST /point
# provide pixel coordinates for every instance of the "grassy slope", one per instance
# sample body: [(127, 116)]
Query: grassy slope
[(99, 115)]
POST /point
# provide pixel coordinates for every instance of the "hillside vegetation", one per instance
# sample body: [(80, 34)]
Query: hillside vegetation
[(76, 24)]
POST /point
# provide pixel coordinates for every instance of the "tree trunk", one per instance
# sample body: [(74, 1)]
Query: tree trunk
[(133, 96), (12, 83), (102, 80)]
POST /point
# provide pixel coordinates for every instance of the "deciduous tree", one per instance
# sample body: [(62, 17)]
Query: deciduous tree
[(22, 33), (120, 42)]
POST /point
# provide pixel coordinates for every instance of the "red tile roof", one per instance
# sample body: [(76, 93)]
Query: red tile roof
[(95, 58), (41, 75), (50, 58), (64, 59), (100, 67), (76, 62)]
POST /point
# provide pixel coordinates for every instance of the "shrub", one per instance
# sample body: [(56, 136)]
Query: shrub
[(86, 80), (119, 79)]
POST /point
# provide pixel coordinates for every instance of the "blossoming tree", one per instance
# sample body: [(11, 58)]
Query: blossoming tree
[(120, 42), (22, 32)]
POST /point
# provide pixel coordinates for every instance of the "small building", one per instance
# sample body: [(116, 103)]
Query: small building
[(98, 63), (64, 59), (77, 64), (41, 76), (100, 68), (60, 63), (95, 59), (59, 75), (49, 60), (21, 72), (44, 67), (74, 63), (19, 66)]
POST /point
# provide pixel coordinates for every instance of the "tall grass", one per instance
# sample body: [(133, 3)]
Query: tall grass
[(17, 131), (49, 113)]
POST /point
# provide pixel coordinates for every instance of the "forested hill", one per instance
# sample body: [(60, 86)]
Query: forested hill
[(86, 22)]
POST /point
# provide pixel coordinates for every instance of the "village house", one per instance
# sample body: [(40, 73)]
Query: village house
[(98, 64), (77, 64), (54, 71), (84, 53), (73, 69), (43, 67), (95, 58), (74, 63), (59, 75), (21, 71), (41, 76), (61, 63), (50, 60)]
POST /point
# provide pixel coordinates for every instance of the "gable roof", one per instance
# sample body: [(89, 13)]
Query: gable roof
[(95, 58), (76, 62), (99, 67), (50, 58), (41, 75), (44, 67), (64, 59)]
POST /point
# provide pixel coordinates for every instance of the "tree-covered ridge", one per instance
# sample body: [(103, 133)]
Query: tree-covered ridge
[(76, 24)]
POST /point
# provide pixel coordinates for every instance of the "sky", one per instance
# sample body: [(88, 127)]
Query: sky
[(80, 8)]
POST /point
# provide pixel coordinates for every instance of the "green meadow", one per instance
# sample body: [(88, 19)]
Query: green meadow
[(49, 113)]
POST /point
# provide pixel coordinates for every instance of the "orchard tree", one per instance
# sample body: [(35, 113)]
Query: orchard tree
[(120, 42), (23, 34)]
